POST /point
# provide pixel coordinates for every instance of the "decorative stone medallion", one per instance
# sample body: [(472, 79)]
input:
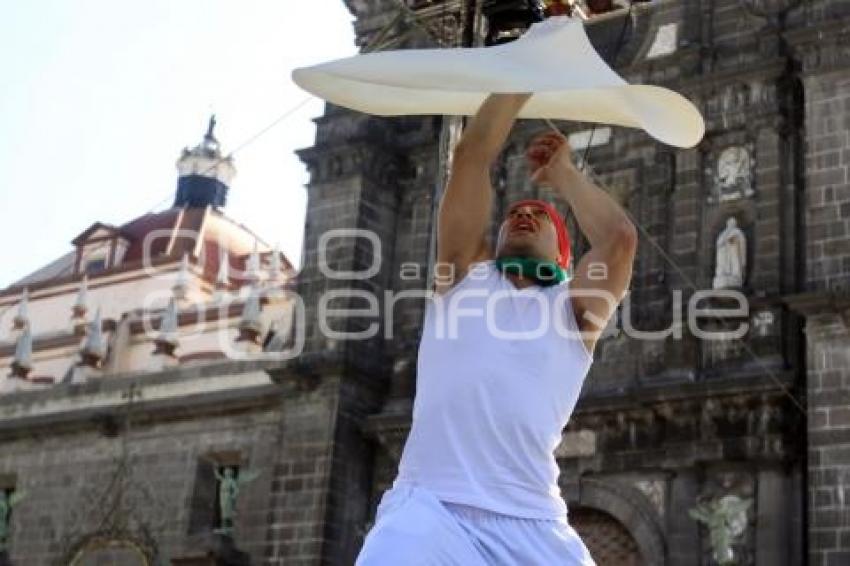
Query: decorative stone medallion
[(733, 175)]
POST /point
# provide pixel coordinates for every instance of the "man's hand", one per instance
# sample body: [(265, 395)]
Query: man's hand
[(610, 232), (465, 208), (549, 156)]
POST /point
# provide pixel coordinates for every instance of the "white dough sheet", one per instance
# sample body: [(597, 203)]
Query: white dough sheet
[(554, 60)]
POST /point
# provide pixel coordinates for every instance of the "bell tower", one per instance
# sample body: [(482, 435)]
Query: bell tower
[(204, 175)]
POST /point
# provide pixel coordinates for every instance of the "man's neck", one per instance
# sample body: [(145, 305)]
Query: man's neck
[(526, 271), (519, 281)]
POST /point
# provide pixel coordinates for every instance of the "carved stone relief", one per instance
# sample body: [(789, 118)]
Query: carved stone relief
[(724, 509), (732, 175), (763, 323)]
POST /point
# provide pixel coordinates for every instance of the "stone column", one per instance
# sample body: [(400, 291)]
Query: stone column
[(773, 508), (828, 425), (682, 531)]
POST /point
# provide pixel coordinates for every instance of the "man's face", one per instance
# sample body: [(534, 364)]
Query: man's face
[(528, 231)]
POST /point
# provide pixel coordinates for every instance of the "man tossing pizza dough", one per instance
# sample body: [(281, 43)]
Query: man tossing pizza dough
[(506, 345)]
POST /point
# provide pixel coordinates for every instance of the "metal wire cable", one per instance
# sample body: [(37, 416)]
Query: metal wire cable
[(585, 167), (615, 52), (376, 44), (693, 287)]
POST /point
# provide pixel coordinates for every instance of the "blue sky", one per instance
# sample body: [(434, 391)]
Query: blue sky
[(98, 97)]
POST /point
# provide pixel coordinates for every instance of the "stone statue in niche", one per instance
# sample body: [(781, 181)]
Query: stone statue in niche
[(733, 176), (731, 256), (726, 520), (229, 485), (7, 501)]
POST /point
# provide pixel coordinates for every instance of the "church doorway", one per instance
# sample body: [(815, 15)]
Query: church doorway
[(607, 539)]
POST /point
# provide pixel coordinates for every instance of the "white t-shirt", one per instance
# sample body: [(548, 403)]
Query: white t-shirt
[(499, 373)]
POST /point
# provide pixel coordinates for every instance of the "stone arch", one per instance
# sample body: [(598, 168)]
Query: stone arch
[(114, 546), (607, 539), (630, 508)]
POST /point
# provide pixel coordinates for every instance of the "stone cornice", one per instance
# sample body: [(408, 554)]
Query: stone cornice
[(144, 322), (366, 145), (362, 156), (810, 35), (314, 369), (69, 284), (389, 429), (822, 47), (684, 399), (827, 314), (819, 302), (306, 372), (141, 323), (646, 396), (214, 388), (53, 341), (716, 80)]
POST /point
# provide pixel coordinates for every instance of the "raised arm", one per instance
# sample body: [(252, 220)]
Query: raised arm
[(603, 273), (466, 204)]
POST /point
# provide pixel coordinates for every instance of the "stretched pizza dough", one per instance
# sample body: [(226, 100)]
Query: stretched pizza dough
[(553, 59)]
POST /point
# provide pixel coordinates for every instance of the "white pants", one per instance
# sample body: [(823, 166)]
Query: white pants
[(414, 528)]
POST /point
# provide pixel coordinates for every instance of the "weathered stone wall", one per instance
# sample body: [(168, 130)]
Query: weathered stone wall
[(301, 474), (828, 375), (821, 43), (827, 96), (68, 475), (322, 474)]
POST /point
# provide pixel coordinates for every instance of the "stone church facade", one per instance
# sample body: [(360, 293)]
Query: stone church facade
[(667, 424)]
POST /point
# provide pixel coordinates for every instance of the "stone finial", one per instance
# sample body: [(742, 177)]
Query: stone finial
[(22, 319), (80, 308), (275, 283), (167, 341), (251, 323), (180, 289), (210, 127), (22, 362), (169, 325), (281, 331), (252, 268), (93, 349), (222, 281), (275, 265)]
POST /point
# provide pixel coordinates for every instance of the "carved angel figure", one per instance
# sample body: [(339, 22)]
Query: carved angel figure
[(229, 485), (7, 501), (726, 520)]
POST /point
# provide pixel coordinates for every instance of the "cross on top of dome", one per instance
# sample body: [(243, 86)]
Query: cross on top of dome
[(210, 145)]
